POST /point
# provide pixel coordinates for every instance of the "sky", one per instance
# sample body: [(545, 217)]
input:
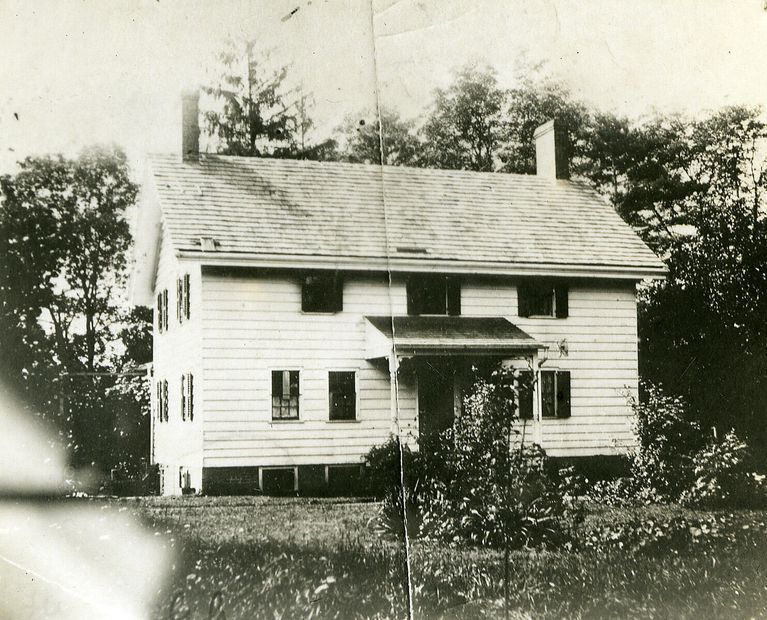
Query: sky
[(77, 72)]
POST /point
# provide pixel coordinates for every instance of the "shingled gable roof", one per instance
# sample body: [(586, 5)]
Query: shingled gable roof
[(255, 207)]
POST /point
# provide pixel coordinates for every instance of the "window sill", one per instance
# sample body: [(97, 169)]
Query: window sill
[(321, 312), (344, 421), (287, 421)]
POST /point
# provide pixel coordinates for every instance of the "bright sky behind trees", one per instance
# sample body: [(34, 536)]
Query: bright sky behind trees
[(74, 73)]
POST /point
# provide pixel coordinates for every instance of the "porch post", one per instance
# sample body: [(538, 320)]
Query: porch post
[(537, 425), (393, 367)]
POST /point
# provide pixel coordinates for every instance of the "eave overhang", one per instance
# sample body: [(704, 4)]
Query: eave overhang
[(425, 265)]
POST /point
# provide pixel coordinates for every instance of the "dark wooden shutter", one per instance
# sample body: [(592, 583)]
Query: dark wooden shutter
[(338, 283), (179, 300), (159, 312), (563, 393), (165, 398), (453, 296), (523, 300), (187, 304), (526, 394), (183, 397), (560, 292), (413, 296), (165, 309), (190, 397)]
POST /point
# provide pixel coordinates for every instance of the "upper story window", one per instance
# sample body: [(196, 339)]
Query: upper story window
[(343, 395), (322, 291), (162, 311), (433, 294), (183, 310), (542, 298), (285, 393)]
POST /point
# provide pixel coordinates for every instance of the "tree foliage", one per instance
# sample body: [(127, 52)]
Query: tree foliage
[(64, 239), (364, 138), (254, 112), (465, 125)]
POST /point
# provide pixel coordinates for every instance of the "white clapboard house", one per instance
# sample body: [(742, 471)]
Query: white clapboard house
[(305, 311)]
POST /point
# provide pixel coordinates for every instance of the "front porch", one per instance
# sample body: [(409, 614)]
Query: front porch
[(440, 357)]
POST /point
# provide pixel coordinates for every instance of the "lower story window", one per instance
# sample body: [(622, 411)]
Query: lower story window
[(285, 394), (343, 395), (555, 394)]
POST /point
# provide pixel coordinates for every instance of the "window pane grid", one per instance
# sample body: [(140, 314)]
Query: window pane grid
[(284, 394)]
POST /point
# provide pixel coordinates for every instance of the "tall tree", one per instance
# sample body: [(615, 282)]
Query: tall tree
[(366, 136), (254, 111), (465, 125), (63, 244), (705, 328)]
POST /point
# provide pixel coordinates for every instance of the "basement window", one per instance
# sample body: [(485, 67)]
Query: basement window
[(285, 395), (322, 291), (433, 294)]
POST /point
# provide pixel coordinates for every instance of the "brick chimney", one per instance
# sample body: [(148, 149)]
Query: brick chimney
[(190, 126), (551, 160)]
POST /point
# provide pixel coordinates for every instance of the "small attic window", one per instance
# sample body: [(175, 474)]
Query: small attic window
[(208, 244), (412, 250)]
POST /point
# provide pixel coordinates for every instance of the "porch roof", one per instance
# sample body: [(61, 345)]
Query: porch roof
[(412, 335)]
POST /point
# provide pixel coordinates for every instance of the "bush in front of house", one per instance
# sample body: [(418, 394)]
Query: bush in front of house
[(667, 437), (479, 482), (724, 476), (673, 463)]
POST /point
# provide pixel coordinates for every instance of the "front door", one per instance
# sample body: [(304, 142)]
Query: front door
[(436, 396)]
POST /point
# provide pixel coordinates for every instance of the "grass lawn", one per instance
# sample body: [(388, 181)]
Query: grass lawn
[(303, 558)]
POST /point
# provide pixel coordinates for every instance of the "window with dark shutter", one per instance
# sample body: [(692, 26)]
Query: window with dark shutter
[(555, 393), (526, 388), (343, 395), (433, 294), (322, 291), (285, 394), (542, 298)]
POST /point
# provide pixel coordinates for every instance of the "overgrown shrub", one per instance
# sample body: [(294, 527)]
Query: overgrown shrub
[(479, 483), (725, 476), (667, 437), (383, 467)]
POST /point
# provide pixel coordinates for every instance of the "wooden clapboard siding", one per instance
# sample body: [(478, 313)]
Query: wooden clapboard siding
[(178, 351), (252, 325), (600, 335)]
